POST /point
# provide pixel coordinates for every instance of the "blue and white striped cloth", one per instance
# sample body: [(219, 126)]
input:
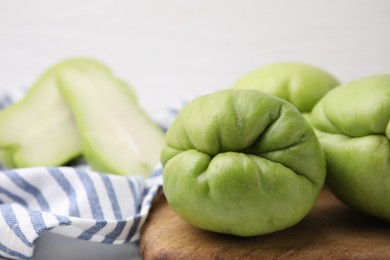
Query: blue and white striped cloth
[(71, 201)]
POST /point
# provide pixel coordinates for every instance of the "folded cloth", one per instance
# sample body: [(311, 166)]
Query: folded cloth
[(72, 201)]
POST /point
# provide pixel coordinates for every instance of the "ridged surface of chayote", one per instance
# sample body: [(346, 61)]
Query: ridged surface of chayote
[(241, 162), (352, 123)]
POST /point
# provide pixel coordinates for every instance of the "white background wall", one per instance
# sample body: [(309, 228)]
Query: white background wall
[(174, 49)]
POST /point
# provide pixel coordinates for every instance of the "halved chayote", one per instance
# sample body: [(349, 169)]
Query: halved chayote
[(352, 123), (39, 130), (77, 107), (117, 136), (241, 162)]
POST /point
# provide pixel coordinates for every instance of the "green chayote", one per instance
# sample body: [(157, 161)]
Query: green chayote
[(79, 107), (301, 84), (352, 123), (39, 129), (241, 162)]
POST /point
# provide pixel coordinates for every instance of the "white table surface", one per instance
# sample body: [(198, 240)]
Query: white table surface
[(169, 50), (56, 247)]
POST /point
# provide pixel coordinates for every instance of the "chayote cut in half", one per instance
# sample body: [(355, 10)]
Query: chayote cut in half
[(352, 123), (299, 83), (241, 162)]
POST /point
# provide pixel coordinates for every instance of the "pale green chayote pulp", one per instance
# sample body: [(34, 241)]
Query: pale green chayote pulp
[(352, 123), (241, 162)]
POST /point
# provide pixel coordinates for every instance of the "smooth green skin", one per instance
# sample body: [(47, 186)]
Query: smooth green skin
[(39, 130), (6, 158), (301, 84), (241, 162), (117, 135), (352, 123)]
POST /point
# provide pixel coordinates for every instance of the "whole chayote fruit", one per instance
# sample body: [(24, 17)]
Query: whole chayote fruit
[(352, 123), (301, 84), (241, 162)]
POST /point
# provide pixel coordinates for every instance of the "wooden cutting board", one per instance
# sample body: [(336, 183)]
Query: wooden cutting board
[(330, 231)]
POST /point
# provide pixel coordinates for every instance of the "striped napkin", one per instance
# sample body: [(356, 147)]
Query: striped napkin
[(72, 201)]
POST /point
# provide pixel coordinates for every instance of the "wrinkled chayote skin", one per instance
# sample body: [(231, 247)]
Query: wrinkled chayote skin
[(241, 162), (301, 84), (352, 123)]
